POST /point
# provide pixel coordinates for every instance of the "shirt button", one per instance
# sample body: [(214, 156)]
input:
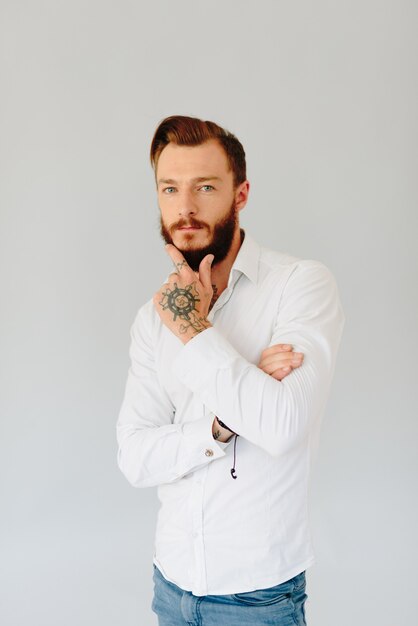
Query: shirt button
[(209, 452)]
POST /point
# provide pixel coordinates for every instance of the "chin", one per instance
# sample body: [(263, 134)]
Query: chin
[(190, 241)]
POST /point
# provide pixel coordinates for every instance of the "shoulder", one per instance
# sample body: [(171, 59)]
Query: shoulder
[(289, 268)]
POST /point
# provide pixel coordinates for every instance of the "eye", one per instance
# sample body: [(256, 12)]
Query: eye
[(207, 187), (169, 190)]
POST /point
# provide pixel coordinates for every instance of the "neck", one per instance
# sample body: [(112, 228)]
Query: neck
[(221, 271)]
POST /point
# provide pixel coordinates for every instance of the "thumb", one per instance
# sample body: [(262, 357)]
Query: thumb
[(205, 271)]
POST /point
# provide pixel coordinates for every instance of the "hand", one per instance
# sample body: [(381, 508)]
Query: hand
[(279, 360), (183, 302)]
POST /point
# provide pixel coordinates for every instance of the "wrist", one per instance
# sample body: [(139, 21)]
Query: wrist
[(204, 325), (221, 432), (222, 425)]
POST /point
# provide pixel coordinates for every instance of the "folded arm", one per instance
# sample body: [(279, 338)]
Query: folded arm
[(272, 414)]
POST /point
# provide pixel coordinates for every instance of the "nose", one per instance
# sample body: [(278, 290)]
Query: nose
[(187, 205)]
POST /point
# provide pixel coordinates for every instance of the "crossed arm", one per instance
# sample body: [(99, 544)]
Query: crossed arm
[(154, 450), (183, 304), (277, 361), (271, 407)]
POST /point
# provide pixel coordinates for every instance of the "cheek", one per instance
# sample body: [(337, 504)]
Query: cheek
[(168, 212)]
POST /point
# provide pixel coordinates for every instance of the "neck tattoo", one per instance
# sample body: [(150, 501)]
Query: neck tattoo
[(214, 297)]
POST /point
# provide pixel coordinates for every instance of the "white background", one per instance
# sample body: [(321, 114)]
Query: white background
[(323, 95)]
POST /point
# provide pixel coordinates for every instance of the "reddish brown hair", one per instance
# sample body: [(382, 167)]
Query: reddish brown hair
[(190, 131)]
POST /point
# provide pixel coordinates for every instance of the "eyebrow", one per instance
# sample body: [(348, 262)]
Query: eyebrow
[(198, 179)]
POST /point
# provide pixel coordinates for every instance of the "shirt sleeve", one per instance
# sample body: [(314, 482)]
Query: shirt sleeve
[(275, 415), (152, 449)]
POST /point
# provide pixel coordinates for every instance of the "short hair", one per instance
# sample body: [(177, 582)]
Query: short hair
[(191, 131)]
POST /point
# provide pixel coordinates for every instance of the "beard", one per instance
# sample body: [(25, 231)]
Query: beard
[(220, 244)]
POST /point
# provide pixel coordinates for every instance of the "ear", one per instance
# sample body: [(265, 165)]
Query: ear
[(241, 194)]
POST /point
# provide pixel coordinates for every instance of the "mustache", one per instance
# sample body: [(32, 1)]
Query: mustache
[(191, 223)]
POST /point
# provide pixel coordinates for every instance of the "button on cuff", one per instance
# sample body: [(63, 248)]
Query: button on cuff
[(200, 438)]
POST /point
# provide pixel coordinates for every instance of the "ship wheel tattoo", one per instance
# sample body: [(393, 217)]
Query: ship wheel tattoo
[(180, 301)]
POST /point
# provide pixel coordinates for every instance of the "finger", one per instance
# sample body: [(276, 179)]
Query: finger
[(275, 361), (176, 256), (281, 359), (271, 368), (281, 373), (278, 347), (205, 271), (173, 277), (278, 357)]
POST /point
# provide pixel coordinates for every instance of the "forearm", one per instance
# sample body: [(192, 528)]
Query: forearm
[(153, 446), (271, 414), (150, 456), (274, 415)]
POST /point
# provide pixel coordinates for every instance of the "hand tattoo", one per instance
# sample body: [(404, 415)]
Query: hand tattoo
[(182, 303)]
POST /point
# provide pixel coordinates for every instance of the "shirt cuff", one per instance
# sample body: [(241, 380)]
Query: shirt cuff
[(200, 432)]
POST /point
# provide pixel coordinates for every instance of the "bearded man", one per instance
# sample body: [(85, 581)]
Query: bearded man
[(231, 365)]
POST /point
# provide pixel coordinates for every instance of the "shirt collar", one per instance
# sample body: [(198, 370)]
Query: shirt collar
[(247, 259)]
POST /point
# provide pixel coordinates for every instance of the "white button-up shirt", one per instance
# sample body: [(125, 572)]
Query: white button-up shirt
[(216, 534)]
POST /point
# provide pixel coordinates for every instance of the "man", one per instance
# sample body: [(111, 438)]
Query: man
[(238, 347)]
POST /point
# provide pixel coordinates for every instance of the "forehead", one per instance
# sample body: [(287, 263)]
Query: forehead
[(182, 162)]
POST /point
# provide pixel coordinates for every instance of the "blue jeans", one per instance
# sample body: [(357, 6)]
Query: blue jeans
[(282, 605)]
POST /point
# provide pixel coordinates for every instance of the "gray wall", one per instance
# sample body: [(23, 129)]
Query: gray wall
[(324, 97)]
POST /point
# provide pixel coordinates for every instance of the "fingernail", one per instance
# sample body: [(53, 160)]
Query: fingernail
[(210, 259)]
